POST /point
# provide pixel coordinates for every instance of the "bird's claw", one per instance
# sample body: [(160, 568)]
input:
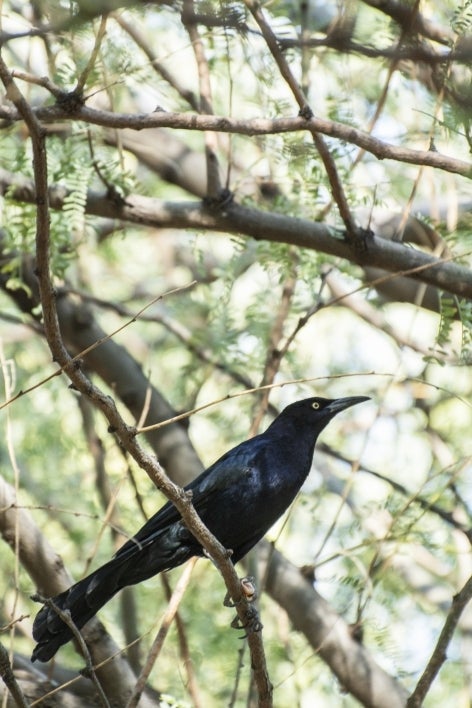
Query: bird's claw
[(251, 622), (248, 586), (248, 589)]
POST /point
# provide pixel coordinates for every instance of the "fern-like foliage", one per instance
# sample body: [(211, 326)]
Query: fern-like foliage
[(452, 310)]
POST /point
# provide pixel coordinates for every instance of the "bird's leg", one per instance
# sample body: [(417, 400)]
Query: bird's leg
[(251, 622), (248, 589)]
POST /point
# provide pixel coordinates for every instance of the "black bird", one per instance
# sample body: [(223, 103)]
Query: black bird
[(238, 498)]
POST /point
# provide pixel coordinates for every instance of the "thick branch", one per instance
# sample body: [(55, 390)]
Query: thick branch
[(393, 257), (329, 634)]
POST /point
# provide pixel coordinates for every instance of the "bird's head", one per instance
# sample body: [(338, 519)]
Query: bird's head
[(316, 412)]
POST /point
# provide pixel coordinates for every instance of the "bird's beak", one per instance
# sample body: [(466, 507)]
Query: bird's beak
[(339, 404)]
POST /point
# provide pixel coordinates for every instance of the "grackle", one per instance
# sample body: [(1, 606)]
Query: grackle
[(238, 498)]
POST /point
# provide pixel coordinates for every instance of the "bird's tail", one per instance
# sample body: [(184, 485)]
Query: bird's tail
[(83, 600)]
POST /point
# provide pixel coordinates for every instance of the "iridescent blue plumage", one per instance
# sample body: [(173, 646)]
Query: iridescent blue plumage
[(238, 498)]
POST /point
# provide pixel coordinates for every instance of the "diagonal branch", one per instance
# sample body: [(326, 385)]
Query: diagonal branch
[(125, 433), (306, 112), (439, 655), (396, 258)]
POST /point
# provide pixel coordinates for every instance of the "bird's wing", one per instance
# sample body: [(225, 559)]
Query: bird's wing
[(224, 473)]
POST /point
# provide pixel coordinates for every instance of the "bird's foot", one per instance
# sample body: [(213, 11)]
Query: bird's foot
[(251, 622), (248, 589)]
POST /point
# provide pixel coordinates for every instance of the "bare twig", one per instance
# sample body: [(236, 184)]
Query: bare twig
[(439, 655), (191, 683), (89, 670), (159, 67), (43, 81), (274, 354), (206, 102), (161, 635), (8, 678), (306, 112)]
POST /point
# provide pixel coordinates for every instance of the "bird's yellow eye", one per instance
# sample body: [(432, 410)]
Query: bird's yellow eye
[(315, 405)]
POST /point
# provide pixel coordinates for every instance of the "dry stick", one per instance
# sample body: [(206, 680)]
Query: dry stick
[(439, 655), (78, 357), (89, 671), (274, 355), (238, 394), (161, 635), (191, 684), (337, 189), (405, 30), (125, 433), (51, 324), (82, 80), (161, 70), (8, 678), (206, 103)]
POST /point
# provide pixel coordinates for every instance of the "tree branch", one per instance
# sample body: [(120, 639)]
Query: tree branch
[(329, 634), (439, 655), (393, 257), (257, 126)]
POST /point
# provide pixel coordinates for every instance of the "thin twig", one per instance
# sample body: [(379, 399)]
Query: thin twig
[(306, 112), (206, 103), (8, 678), (157, 65), (89, 670), (82, 80), (184, 650), (439, 655), (158, 643), (237, 678), (43, 81)]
